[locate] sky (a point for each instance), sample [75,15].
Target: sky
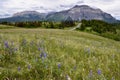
[9,7]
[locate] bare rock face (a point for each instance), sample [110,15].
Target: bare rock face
[86,12]
[82,12]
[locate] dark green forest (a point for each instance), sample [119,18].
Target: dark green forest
[42,24]
[101,28]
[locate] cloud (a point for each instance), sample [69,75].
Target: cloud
[12,6]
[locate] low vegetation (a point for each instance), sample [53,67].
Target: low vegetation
[101,28]
[48,54]
[42,24]
[6,27]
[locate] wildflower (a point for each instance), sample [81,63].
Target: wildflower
[19,68]
[6,44]
[99,72]
[43,54]
[87,50]
[29,67]
[59,65]
[39,49]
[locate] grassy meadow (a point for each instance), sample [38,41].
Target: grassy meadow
[53,54]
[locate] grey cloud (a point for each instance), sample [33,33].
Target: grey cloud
[80,2]
[66,6]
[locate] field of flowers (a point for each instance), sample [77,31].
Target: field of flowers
[48,54]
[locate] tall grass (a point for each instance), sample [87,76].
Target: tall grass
[41,54]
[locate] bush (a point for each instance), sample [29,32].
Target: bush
[111,36]
[98,26]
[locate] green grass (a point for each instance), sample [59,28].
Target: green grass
[6,27]
[73,54]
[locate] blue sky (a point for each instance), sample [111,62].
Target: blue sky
[9,7]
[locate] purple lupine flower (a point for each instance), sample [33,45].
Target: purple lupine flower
[29,67]
[99,72]
[6,44]
[59,66]
[39,49]
[88,50]
[43,54]
[19,68]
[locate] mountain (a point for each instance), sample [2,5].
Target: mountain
[25,16]
[81,12]
[28,14]
[77,13]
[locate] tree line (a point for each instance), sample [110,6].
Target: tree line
[102,28]
[44,24]
[97,26]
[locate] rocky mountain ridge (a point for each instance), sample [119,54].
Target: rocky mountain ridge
[76,13]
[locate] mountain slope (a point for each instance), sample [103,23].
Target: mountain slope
[76,13]
[26,16]
[82,12]
[79,55]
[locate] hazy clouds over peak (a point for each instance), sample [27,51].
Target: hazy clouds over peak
[9,7]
